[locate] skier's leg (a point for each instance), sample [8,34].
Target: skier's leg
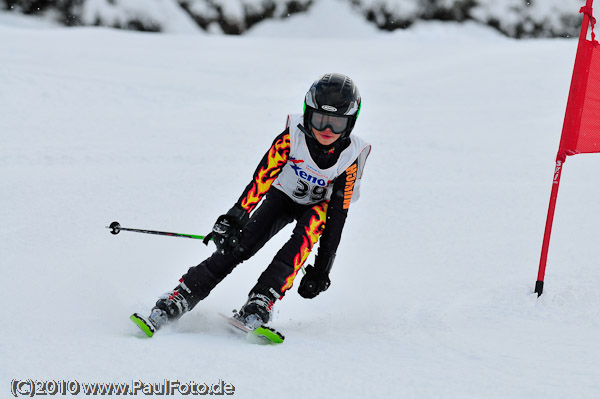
[274,213]
[279,275]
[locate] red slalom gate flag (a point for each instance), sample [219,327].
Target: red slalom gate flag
[581,127]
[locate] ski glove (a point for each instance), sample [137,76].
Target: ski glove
[316,279]
[313,283]
[227,231]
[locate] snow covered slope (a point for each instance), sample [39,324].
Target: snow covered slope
[432,290]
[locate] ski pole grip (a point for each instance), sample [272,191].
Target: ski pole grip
[115,228]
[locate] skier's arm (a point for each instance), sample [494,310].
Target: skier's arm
[266,172]
[337,211]
[316,279]
[226,232]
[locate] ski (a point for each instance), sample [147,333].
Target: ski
[144,324]
[267,334]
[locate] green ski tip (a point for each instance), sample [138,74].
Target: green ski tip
[270,334]
[141,323]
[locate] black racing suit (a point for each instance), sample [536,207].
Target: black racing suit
[324,220]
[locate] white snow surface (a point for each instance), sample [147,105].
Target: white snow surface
[432,289]
[118,13]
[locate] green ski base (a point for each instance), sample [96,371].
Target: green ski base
[266,334]
[269,334]
[142,324]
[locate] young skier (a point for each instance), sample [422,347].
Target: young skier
[310,175]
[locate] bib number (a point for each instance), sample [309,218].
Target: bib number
[317,193]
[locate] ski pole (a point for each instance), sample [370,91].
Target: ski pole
[115,228]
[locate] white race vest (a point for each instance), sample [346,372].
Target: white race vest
[303,181]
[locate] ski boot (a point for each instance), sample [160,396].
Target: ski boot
[169,307]
[258,309]
[255,314]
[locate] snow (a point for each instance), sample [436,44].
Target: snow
[432,290]
[20,21]
[340,22]
[172,17]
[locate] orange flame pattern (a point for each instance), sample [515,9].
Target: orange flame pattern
[277,157]
[312,233]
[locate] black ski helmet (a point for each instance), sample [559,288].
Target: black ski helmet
[332,94]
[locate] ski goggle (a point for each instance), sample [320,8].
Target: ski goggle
[337,124]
